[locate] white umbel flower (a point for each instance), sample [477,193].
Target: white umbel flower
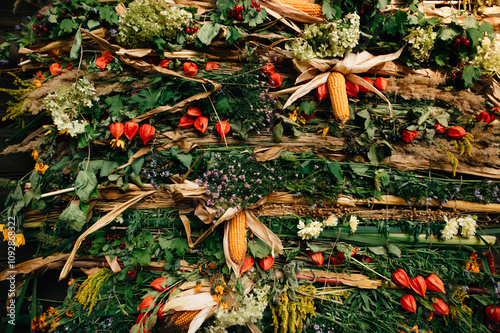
[450,229]
[353,223]
[468,225]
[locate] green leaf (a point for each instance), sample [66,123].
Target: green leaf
[329,10]
[180,246]
[372,155]
[316,248]
[67,26]
[17,198]
[443,119]
[232,34]
[223,105]
[447,33]
[258,248]
[336,170]
[35,178]
[159,44]
[185,159]
[109,15]
[307,107]
[107,167]
[424,117]
[470,22]
[470,74]
[74,217]
[365,115]
[278,132]
[77,43]
[292,253]
[92,24]
[85,183]
[254,18]
[486,27]
[137,165]
[394,250]
[358,168]
[379,250]
[115,105]
[429,135]
[142,257]
[208,32]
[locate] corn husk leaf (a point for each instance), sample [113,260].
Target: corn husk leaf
[354,280]
[290,12]
[263,232]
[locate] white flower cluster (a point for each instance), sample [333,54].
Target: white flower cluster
[332,39]
[422,42]
[488,57]
[353,223]
[331,221]
[147,19]
[313,230]
[66,104]
[468,227]
[250,310]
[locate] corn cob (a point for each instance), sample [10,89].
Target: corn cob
[338,96]
[236,237]
[182,318]
[309,8]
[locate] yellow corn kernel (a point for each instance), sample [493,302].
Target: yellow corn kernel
[338,96]
[236,237]
[184,317]
[309,8]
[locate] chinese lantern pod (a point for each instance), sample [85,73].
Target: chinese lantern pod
[408,136]
[401,278]
[161,314]
[247,264]
[440,307]
[222,128]
[156,284]
[266,263]
[352,89]
[190,68]
[116,129]
[147,132]
[194,111]
[322,92]
[275,80]
[493,313]
[131,128]
[55,69]
[418,285]
[381,83]
[456,132]
[164,63]
[362,88]
[434,283]
[210,66]
[317,258]
[186,121]
[146,302]
[439,128]
[201,124]
[408,303]
[268,68]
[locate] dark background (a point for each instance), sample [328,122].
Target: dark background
[14,166]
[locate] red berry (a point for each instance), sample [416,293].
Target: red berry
[108,238]
[241,8]
[236,9]
[39,35]
[258,6]
[254,2]
[35,28]
[195,29]
[240,17]
[129,272]
[453,75]
[38,16]
[361,12]
[463,39]
[252,5]
[114,236]
[122,243]
[258,9]
[45,29]
[63,12]
[133,276]
[457,40]
[67,2]
[118,237]
[466,42]
[122,247]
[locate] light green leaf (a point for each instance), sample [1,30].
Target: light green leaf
[379,250]
[208,32]
[316,248]
[74,217]
[278,132]
[85,183]
[92,24]
[77,43]
[394,250]
[258,248]
[470,22]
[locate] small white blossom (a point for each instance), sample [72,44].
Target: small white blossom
[450,229]
[421,42]
[331,221]
[468,225]
[353,223]
[313,230]
[488,57]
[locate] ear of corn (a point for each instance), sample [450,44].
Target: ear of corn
[236,237]
[182,318]
[338,96]
[309,8]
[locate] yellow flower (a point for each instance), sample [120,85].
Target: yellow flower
[69,313]
[19,240]
[37,83]
[223,305]
[5,234]
[40,75]
[198,286]
[34,154]
[41,168]
[324,130]
[51,311]
[116,143]
[1,227]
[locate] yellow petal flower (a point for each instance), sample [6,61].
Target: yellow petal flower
[19,240]
[324,130]
[117,143]
[34,154]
